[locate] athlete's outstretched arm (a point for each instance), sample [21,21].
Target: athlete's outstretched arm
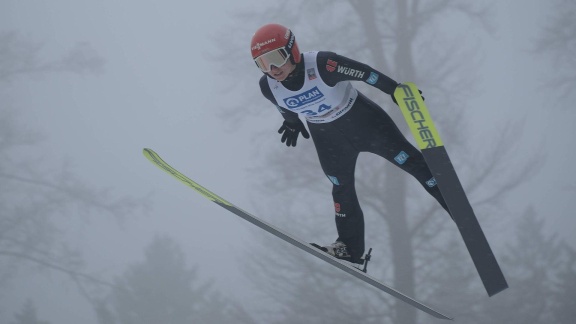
[335,68]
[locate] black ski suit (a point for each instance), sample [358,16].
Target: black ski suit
[365,127]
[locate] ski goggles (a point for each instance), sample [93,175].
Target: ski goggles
[277,57]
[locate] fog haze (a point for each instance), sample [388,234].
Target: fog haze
[160,80]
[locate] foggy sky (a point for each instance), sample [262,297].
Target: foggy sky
[160,89]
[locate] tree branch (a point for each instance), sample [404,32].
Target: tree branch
[50,265]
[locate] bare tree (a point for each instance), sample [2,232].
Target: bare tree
[19,57]
[563,310]
[35,201]
[28,315]
[557,41]
[163,289]
[541,273]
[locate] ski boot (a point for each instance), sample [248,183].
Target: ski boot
[339,250]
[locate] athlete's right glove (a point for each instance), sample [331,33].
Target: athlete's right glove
[290,131]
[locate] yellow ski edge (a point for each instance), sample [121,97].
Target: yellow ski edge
[157,160]
[417,116]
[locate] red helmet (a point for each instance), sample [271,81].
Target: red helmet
[274,44]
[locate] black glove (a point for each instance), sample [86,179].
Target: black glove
[394,98]
[290,131]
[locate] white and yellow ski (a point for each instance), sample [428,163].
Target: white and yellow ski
[155,158]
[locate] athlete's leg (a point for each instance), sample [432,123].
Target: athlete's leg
[381,136]
[338,160]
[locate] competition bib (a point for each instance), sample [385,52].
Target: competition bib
[316,101]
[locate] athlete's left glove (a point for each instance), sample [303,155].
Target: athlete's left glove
[394,98]
[290,131]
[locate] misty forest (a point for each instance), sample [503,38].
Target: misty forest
[91,232]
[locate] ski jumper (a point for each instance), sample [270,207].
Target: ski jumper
[343,122]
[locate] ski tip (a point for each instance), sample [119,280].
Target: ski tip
[148,152]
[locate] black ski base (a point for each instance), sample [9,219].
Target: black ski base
[463,215]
